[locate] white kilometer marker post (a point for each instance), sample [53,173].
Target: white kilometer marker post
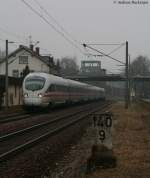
[102,149]
[103,125]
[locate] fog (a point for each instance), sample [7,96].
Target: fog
[86,21]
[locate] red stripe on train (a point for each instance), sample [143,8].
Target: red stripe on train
[65,94]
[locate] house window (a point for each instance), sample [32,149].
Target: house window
[31,71]
[15,73]
[23,59]
[11,99]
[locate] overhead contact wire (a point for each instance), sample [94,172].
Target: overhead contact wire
[51,25]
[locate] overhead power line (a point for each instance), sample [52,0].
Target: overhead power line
[85,45]
[55,21]
[114,50]
[105,44]
[51,25]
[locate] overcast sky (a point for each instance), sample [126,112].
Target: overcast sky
[87,21]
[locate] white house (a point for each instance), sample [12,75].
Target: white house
[14,91]
[24,56]
[17,62]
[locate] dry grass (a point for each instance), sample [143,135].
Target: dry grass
[131,139]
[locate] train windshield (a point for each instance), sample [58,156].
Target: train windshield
[34,83]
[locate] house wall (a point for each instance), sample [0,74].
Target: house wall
[14,96]
[34,64]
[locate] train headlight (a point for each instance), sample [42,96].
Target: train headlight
[40,95]
[25,95]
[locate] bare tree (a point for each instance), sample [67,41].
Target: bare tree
[69,66]
[141,66]
[25,71]
[2,54]
[58,67]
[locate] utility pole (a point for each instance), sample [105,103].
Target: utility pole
[127,78]
[126,64]
[129,81]
[6,76]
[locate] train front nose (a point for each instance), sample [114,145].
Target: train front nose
[32,99]
[33,86]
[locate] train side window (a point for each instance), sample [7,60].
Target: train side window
[61,88]
[51,88]
[56,87]
[68,89]
[71,89]
[64,88]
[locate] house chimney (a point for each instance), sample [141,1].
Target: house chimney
[37,50]
[20,46]
[31,47]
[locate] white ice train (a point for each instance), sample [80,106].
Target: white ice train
[42,89]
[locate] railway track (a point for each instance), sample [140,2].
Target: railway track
[13,117]
[12,124]
[18,116]
[16,142]
[7,118]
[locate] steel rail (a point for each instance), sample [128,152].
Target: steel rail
[5,156]
[8,115]
[31,128]
[13,118]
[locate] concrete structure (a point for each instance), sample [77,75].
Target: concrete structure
[92,68]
